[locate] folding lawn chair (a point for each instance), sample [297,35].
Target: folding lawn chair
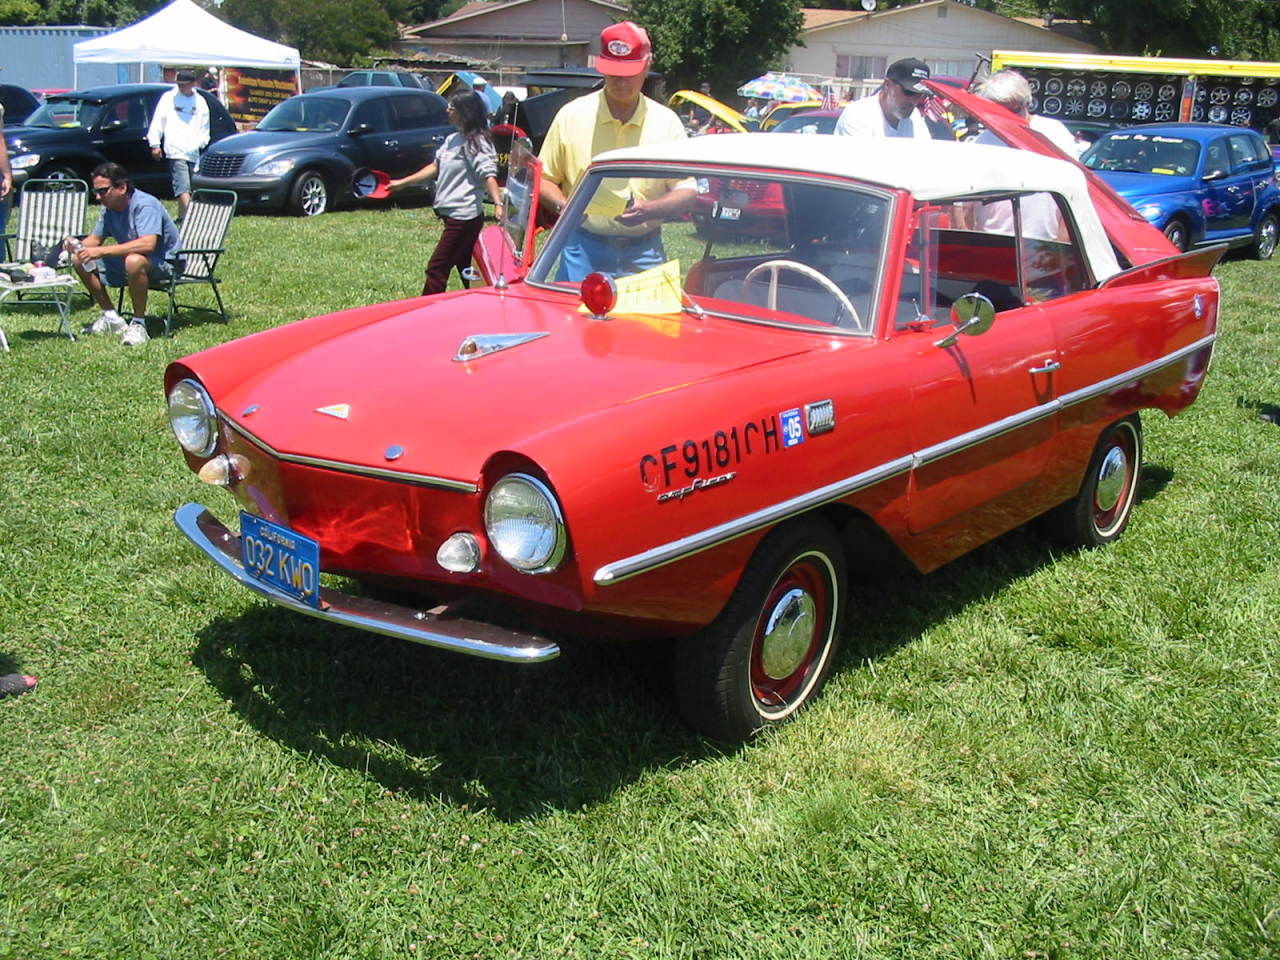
[49,211]
[201,236]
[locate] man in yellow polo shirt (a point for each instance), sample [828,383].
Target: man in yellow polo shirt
[628,238]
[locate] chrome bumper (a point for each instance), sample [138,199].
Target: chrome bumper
[434,628]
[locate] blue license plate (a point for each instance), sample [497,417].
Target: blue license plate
[280,558]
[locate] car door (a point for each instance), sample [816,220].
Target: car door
[419,124]
[982,407]
[1229,190]
[121,137]
[374,143]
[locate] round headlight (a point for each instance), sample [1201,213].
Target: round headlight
[524,524]
[193,418]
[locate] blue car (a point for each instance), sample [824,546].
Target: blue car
[304,154]
[1201,183]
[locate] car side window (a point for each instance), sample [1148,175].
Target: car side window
[381,80]
[1244,151]
[414,112]
[372,112]
[1216,157]
[1014,250]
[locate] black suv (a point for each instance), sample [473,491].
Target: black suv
[71,133]
[305,152]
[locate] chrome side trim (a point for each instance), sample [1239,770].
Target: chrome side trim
[434,629]
[989,432]
[659,556]
[695,543]
[426,480]
[1137,373]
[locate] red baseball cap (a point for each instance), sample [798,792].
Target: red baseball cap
[625,50]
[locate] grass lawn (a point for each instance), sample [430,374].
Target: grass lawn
[1028,754]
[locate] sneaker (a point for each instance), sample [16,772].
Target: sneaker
[135,335]
[109,322]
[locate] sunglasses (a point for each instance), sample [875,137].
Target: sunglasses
[102,191]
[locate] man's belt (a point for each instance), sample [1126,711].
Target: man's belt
[627,240]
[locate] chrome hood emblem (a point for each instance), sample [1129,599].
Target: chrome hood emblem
[482,344]
[339,410]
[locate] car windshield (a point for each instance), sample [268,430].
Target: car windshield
[764,248]
[66,112]
[306,115]
[807,124]
[1132,152]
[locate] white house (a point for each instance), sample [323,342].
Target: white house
[946,35]
[517,33]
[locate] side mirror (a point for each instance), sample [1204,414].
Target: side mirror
[1217,173]
[972,314]
[358,128]
[110,126]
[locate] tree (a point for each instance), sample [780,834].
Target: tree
[1236,29]
[19,12]
[334,30]
[724,42]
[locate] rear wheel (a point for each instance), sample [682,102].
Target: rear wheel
[1264,239]
[771,648]
[1100,511]
[310,194]
[1176,231]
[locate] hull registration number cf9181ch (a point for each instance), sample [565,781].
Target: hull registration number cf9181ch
[280,558]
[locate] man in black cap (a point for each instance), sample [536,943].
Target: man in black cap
[892,112]
[180,130]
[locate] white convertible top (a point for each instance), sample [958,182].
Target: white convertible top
[929,170]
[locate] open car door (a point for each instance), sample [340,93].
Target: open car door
[504,250]
[1135,240]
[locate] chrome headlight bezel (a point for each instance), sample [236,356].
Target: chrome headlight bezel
[523,555]
[195,423]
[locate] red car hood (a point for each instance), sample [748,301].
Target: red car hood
[1133,237]
[401,386]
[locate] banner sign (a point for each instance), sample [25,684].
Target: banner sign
[251,92]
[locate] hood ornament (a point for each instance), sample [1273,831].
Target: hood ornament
[482,344]
[339,410]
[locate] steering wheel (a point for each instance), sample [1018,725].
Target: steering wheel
[774,267]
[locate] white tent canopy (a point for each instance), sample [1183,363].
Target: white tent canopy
[183,33]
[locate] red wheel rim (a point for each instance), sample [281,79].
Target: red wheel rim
[1114,482]
[792,636]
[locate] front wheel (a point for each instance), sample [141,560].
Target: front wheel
[1100,511]
[1264,238]
[59,171]
[1176,231]
[310,195]
[771,648]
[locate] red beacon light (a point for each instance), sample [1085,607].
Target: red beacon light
[599,294]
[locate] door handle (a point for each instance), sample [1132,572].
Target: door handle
[391,143]
[1049,367]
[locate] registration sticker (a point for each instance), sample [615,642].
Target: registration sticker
[280,558]
[792,427]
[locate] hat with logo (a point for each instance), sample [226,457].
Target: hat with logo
[185,76]
[910,73]
[625,50]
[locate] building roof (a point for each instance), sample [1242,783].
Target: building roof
[484,8]
[815,19]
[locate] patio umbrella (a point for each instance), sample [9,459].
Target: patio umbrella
[778,86]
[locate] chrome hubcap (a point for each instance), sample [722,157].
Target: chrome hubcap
[1112,475]
[1267,243]
[787,634]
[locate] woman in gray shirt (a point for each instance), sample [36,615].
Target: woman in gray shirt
[464,167]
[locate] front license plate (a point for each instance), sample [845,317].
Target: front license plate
[280,558]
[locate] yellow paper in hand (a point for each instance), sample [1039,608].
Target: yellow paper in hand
[656,290]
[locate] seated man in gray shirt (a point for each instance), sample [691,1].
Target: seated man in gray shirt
[145,236]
